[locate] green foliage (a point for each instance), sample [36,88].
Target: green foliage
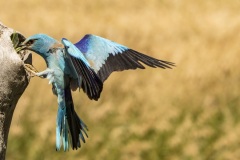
[17,39]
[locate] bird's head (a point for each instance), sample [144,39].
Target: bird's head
[39,43]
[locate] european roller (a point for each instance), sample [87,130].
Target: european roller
[84,65]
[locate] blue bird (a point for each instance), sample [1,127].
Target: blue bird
[84,65]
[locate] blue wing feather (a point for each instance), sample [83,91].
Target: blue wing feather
[107,56]
[91,83]
[73,51]
[98,49]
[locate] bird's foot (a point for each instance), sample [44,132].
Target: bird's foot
[31,70]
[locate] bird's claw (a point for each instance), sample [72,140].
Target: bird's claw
[31,70]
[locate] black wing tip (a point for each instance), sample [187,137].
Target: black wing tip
[91,83]
[95,96]
[167,64]
[150,61]
[130,59]
[96,86]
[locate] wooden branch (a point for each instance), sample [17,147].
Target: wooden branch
[13,81]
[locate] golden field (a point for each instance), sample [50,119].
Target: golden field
[191,112]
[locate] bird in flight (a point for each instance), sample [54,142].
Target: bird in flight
[84,65]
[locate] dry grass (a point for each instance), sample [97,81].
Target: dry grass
[190,112]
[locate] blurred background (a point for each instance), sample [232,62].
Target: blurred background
[191,112]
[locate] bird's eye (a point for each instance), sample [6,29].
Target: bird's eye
[30,42]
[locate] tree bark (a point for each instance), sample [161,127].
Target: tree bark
[13,81]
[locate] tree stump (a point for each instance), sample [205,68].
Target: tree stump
[13,82]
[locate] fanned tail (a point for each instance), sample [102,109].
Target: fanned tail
[68,122]
[77,127]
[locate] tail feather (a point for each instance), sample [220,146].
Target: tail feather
[68,122]
[76,125]
[61,129]
[65,134]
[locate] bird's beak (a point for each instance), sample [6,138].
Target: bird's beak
[21,46]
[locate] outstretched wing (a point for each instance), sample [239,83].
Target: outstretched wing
[106,56]
[87,78]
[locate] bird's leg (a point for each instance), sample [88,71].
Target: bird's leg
[48,73]
[31,70]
